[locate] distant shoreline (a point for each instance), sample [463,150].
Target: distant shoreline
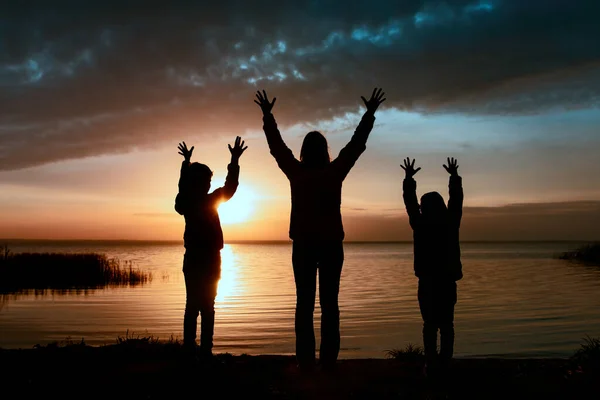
[180,242]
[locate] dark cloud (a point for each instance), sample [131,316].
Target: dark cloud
[541,221]
[537,209]
[532,221]
[88,78]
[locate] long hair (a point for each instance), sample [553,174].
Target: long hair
[315,151]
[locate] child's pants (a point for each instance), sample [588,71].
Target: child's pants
[436,301]
[202,273]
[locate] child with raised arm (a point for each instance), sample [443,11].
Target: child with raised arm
[436,259]
[203,241]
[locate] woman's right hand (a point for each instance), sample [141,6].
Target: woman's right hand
[263,102]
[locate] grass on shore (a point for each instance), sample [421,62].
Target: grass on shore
[40,272]
[128,340]
[411,353]
[587,358]
[145,367]
[585,361]
[589,254]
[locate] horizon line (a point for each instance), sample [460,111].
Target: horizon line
[4,241]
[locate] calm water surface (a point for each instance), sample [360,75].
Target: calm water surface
[514,300]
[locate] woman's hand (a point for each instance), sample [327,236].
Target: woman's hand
[375,100]
[263,102]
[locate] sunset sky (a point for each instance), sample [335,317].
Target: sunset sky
[96,95]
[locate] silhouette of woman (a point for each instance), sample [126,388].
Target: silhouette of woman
[316,225]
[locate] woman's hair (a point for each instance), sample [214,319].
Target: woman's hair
[314,152]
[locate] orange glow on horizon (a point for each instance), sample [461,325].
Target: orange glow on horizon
[240,208]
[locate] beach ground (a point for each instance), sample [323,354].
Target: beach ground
[146,371]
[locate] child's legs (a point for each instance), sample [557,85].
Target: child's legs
[330,270]
[202,273]
[427,296]
[192,306]
[304,262]
[446,303]
[207,314]
[207,306]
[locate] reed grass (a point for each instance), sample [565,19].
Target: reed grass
[58,272]
[410,353]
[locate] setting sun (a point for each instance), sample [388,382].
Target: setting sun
[239,208]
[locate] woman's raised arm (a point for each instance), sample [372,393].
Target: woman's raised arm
[282,154]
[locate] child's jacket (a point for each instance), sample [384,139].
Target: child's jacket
[203,231]
[436,243]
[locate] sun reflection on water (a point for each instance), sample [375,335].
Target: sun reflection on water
[229,274]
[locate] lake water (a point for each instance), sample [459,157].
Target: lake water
[515,300]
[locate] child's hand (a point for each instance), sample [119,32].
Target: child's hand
[263,102]
[409,167]
[452,166]
[374,101]
[237,149]
[183,150]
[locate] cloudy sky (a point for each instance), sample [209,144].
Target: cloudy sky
[96,95]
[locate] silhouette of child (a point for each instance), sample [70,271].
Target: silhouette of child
[436,259]
[203,241]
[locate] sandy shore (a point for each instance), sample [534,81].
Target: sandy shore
[154,372]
